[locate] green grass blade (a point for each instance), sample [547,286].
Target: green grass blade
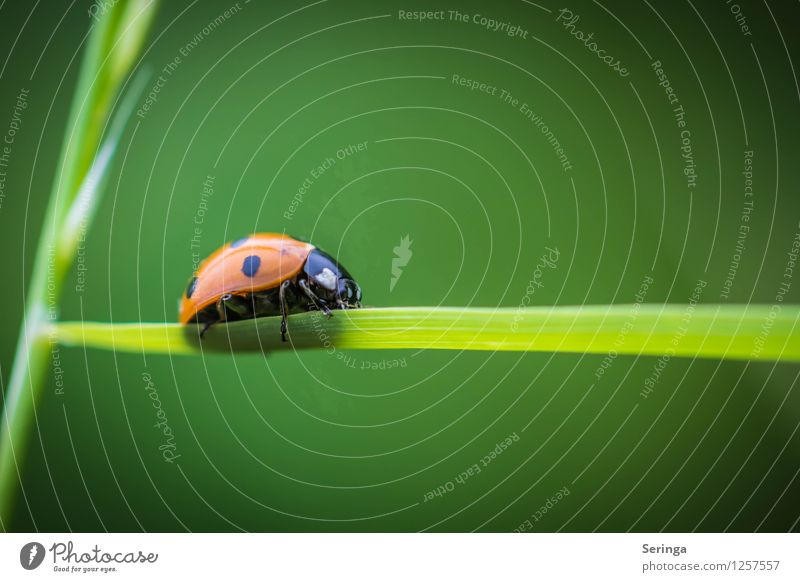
[87,199]
[115,42]
[706,331]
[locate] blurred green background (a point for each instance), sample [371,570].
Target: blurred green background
[358,441]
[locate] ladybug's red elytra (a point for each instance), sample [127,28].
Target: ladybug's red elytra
[266,274]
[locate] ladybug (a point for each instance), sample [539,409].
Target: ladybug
[266,274]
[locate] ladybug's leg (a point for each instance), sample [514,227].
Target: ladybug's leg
[205,328]
[233,304]
[318,303]
[284,308]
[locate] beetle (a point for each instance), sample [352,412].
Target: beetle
[266,274]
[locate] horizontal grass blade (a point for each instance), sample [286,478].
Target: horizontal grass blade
[706,331]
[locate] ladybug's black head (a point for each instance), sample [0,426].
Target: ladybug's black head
[349,293]
[331,282]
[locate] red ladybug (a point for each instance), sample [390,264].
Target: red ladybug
[266,274]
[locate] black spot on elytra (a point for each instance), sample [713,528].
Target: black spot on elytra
[191,287]
[250,265]
[240,242]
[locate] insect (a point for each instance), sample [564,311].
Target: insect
[266,274]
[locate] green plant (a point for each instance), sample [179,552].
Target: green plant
[706,331]
[114,46]
[712,331]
